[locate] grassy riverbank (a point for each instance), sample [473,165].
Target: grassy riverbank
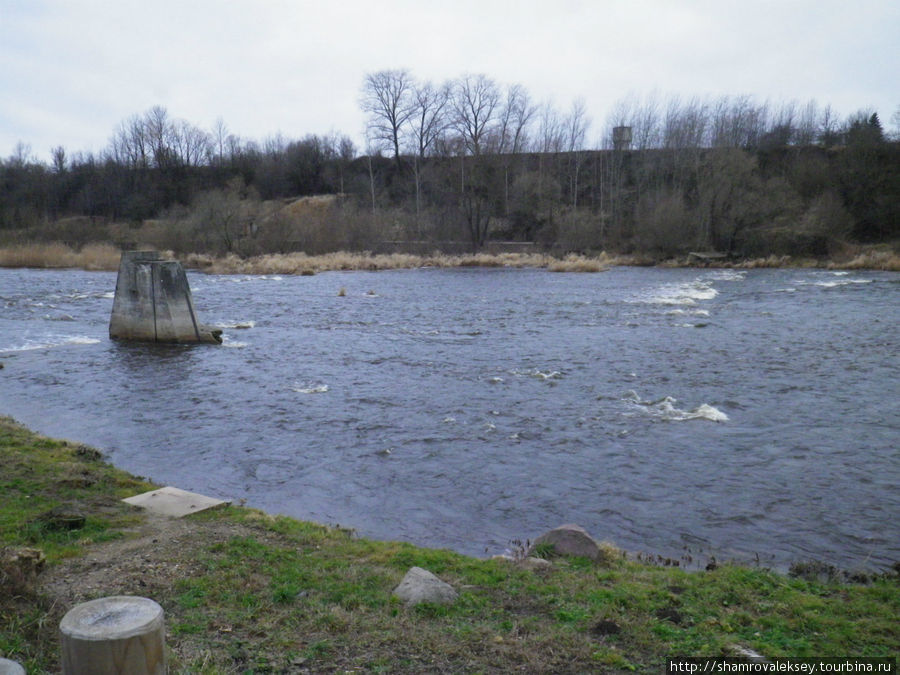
[247,592]
[106,257]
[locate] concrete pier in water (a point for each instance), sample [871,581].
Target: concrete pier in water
[153,302]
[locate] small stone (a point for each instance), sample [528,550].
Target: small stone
[60,520]
[420,585]
[740,652]
[568,540]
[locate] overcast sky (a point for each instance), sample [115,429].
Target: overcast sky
[72,70]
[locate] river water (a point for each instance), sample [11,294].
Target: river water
[683,412]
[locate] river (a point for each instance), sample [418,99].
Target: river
[743,414]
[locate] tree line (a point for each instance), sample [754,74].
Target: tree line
[477,160]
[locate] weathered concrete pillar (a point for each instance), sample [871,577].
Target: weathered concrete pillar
[119,635]
[153,302]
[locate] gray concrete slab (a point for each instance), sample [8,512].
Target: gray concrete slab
[174,502]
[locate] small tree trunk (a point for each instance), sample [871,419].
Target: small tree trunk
[119,635]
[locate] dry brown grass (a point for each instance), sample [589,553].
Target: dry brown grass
[56,255]
[771,261]
[871,260]
[580,263]
[106,257]
[300,263]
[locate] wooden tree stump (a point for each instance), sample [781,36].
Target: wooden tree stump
[8,667]
[113,636]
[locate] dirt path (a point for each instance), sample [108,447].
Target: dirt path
[147,562]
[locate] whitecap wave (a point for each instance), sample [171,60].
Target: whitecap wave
[692,312]
[305,388]
[538,374]
[841,282]
[680,294]
[665,409]
[257,277]
[727,275]
[51,341]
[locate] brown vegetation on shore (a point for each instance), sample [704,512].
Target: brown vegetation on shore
[300,263]
[90,257]
[106,257]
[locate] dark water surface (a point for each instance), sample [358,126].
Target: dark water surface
[741,413]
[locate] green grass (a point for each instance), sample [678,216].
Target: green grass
[279,595]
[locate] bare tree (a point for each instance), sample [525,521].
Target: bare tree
[59,159]
[646,129]
[829,127]
[476,99]
[551,130]
[806,127]
[515,115]
[192,145]
[387,100]
[512,132]
[220,140]
[159,131]
[428,115]
[576,126]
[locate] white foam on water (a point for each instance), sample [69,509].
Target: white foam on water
[692,312]
[52,341]
[302,388]
[841,273]
[665,409]
[727,275]
[680,294]
[538,374]
[841,282]
[260,277]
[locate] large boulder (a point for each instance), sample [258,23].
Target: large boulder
[568,540]
[422,586]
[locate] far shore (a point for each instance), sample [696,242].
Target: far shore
[106,257]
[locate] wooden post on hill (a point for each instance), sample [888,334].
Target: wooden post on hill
[118,635]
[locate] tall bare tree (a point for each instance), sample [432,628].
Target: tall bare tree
[576,127]
[387,99]
[476,102]
[515,116]
[429,115]
[219,140]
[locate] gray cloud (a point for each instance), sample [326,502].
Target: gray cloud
[71,71]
